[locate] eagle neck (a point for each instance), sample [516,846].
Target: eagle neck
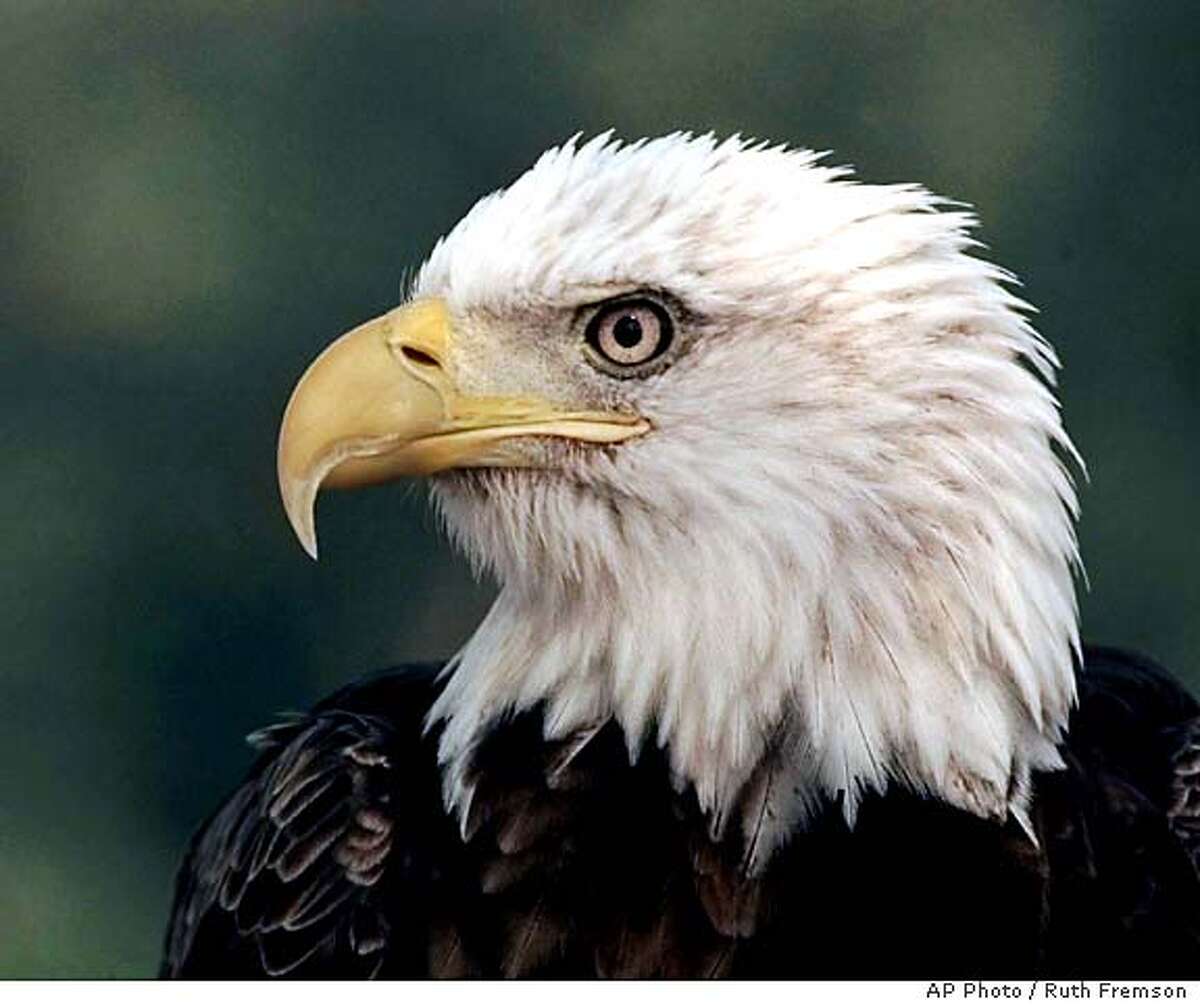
[777,686]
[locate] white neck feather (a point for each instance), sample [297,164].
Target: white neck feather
[927,645]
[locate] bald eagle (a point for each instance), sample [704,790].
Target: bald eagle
[783,676]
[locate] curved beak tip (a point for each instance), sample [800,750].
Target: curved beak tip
[299,499]
[310,546]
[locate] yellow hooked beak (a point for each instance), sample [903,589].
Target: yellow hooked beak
[379,404]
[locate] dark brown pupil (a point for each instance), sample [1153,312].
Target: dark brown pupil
[627,332]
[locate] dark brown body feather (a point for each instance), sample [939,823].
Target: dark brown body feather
[336,858]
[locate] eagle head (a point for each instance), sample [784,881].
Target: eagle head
[766,465]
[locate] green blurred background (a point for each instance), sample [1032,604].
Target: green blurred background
[196,196]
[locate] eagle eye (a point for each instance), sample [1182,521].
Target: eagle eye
[627,334]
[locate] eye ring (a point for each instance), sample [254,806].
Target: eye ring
[625,335]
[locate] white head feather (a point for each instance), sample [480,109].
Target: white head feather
[849,537]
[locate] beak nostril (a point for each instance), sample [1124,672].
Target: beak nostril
[419,357]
